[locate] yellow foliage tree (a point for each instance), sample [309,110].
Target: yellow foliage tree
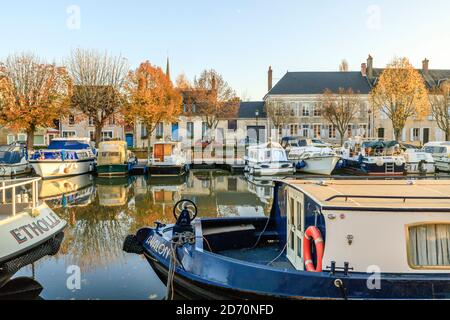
[153,99]
[32,94]
[401,94]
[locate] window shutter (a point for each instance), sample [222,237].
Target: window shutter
[411,132]
[404,135]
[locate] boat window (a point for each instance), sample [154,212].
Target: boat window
[110,154]
[429,246]
[278,155]
[299,216]
[292,212]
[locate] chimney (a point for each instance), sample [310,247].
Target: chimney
[364,69]
[270,79]
[370,67]
[425,66]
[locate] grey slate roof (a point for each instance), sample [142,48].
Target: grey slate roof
[317,82]
[247,110]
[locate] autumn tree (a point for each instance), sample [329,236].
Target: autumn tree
[182,82]
[153,99]
[400,93]
[340,108]
[440,104]
[33,94]
[279,113]
[214,98]
[98,86]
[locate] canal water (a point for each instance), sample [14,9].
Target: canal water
[102,212]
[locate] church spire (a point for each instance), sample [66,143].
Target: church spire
[168,68]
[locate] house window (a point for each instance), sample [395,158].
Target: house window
[350,130]
[112,121]
[21,137]
[306,110]
[416,134]
[92,135]
[294,109]
[294,129]
[190,130]
[39,140]
[144,132]
[316,130]
[69,134]
[91,121]
[363,130]
[10,139]
[381,133]
[429,246]
[280,130]
[332,131]
[317,111]
[160,130]
[305,130]
[107,135]
[71,120]
[232,125]
[205,130]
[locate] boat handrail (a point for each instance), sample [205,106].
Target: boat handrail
[404,198]
[20,183]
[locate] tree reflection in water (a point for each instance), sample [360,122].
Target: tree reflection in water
[98,224]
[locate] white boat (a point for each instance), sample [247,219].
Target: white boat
[268,159]
[419,161]
[64,157]
[13,160]
[168,160]
[26,224]
[440,152]
[312,157]
[76,191]
[373,157]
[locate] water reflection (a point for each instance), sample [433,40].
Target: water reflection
[101,212]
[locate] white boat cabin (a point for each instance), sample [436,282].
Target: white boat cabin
[372,226]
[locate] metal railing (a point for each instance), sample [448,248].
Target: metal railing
[20,198]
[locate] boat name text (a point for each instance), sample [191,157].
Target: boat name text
[159,247]
[35,229]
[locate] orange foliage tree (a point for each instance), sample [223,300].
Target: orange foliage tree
[32,94]
[214,98]
[401,94]
[152,98]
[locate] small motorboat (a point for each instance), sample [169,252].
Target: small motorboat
[64,157]
[338,240]
[419,162]
[268,159]
[13,160]
[440,151]
[168,160]
[114,159]
[373,157]
[27,225]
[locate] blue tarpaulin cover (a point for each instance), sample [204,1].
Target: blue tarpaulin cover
[10,157]
[68,145]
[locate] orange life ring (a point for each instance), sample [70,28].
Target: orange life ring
[313,233]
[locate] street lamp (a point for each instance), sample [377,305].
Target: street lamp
[257,126]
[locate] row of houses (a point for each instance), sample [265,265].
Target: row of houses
[300,91]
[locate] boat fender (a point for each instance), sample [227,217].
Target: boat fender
[313,233]
[300,165]
[380,162]
[132,245]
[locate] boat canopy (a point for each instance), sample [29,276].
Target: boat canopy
[11,154]
[269,152]
[112,152]
[68,145]
[380,144]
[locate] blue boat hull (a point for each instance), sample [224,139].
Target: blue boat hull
[205,275]
[372,168]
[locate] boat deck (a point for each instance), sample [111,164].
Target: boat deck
[262,255]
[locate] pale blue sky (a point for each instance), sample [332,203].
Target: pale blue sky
[240,39]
